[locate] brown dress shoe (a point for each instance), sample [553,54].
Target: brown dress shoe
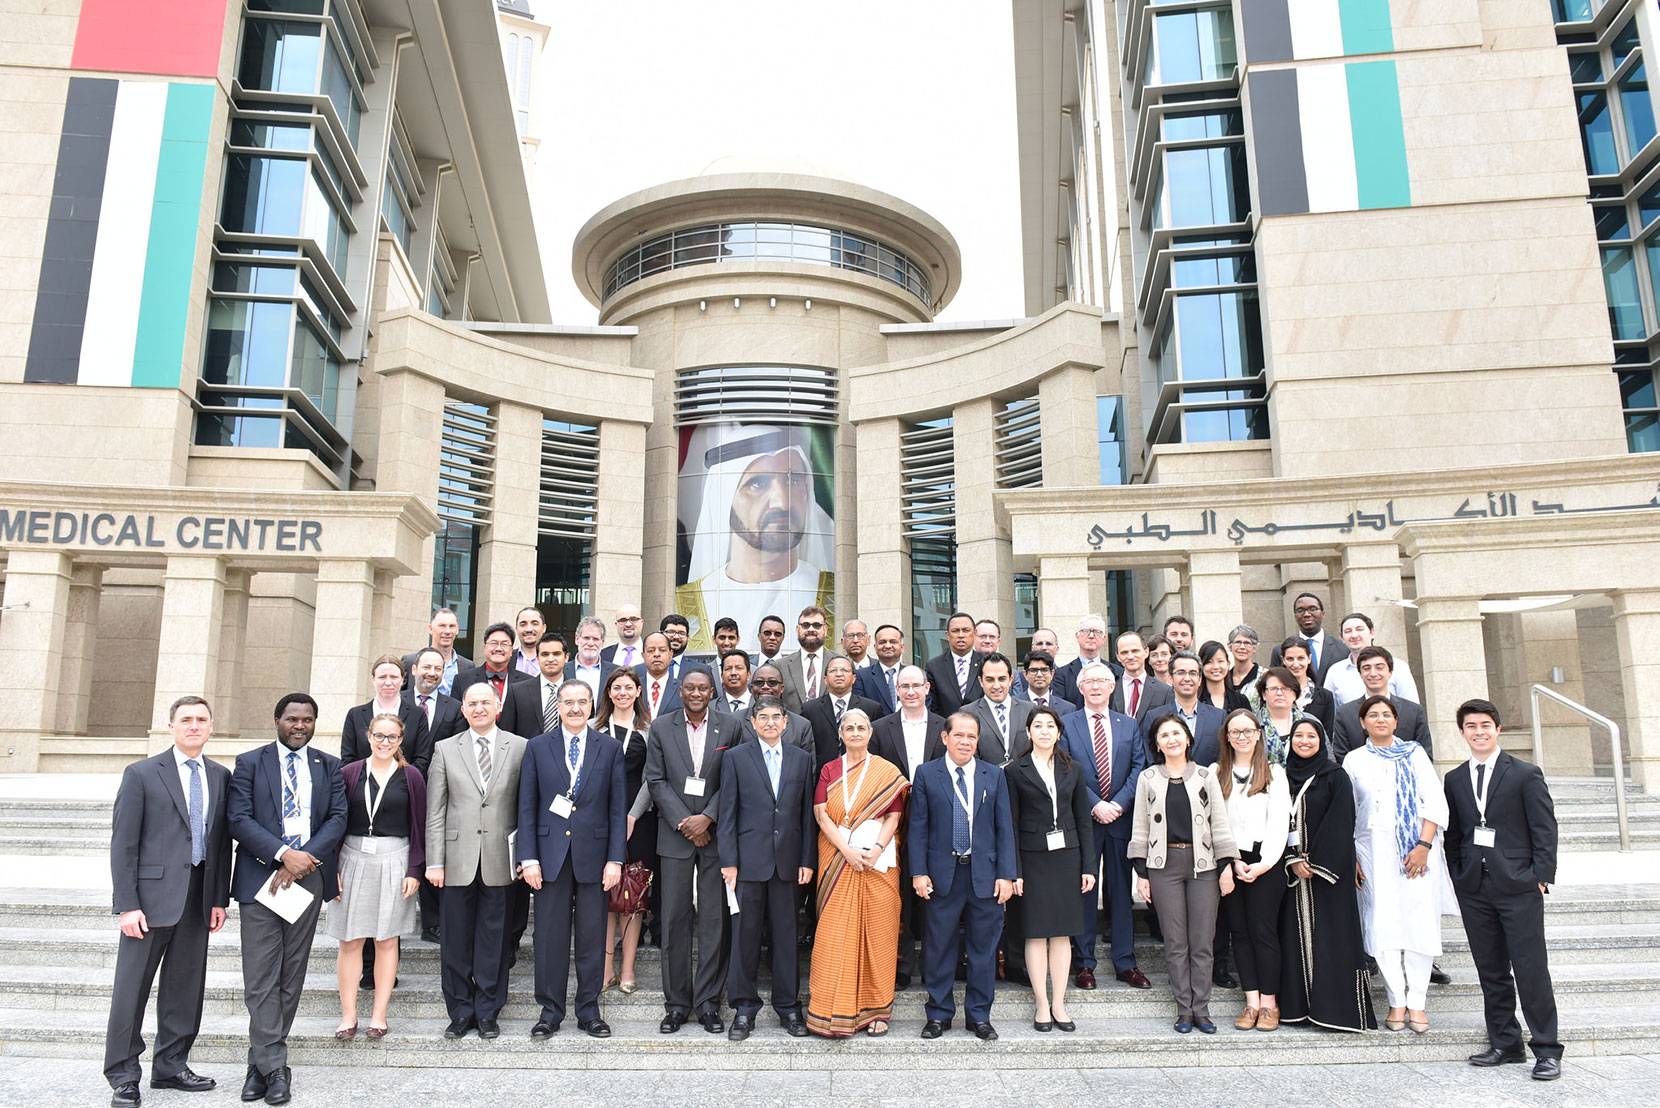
[1246,1019]
[1268,1019]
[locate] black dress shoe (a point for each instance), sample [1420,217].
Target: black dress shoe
[544,1029]
[741,1027]
[985,1032]
[901,981]
[126,1096]
[1439,976]
[595,1027]
[1134,978]
[1084,979]
[672,1022]
[489,1029]
[1496,1057]
[794,1024]
[185,1081]
[253,1088]
[712,1022]
[1043,1025]
[429,935]
[1221,978]
[1547,1069]
[277,1089]
[933,1029]
[1066,1025]
[458,1028]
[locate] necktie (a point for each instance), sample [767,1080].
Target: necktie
[550,709]
[576,770]
[1481,769]
[737,705]
[960,838]
[656,694]
[628,656]
[812,677]
[1135,694]
[1041,701]
[1003,720]
[962,676]
[198,836]
[1313,655]
[1103,753]
[290,797]
[499,680]
[773,768]
[484,760]
[892,694]
[426,710]
[841,706]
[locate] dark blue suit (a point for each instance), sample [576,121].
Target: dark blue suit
[573,852]
[1207,730]
[671,691]
[769,839]
[872,684]
[965,892]
[1112,840]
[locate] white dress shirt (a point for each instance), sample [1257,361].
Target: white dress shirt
[302,775]
[916,740]
[1344,683]
[180,760]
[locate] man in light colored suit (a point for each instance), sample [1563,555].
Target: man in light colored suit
[803,670]
[1138,693]
[1002,718]
[472,808]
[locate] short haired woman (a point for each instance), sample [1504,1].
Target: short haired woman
[1259,814]
[1312,700]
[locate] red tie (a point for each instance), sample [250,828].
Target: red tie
[1103,754]
[1135,694]
[656,692]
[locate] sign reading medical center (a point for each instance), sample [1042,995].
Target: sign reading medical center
[250,534]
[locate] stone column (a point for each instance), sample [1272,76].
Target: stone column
[985,559]
[507,556]
[620,529]
[1454,670]
[1372,584]
[187,658]
[340,644]
[80,640]
[1637,630]
[32,633]
[1214,591]
[233,637]
[1065,595]
[380,623]
[884,565]
[1071,447]
[407,460]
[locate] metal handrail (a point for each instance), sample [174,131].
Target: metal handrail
[1613,745]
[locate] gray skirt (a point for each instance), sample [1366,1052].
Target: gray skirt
[372,904]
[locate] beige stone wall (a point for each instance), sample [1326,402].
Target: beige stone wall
[124,674]
[242,467]
[31,118]
[94,435]
[1430,24]
[1194,462]
[281,611]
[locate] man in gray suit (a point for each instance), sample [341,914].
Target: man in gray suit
[170,864]
[803,670]
[472,807]
[1376,667]
[1002,718]
[1138,693]
[683,761]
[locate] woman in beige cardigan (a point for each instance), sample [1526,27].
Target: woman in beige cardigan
[1182,850]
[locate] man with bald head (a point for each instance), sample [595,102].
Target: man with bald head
[628,649]
[909,738]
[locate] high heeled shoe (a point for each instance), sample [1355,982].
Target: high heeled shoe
[627,987]
[1043,1025]
[1419,1027]
[611,984]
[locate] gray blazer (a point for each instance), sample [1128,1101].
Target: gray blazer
[459,808]
[992,748]
[795,677]
[669,763]
[150,840]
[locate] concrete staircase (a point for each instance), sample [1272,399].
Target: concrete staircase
[57,950]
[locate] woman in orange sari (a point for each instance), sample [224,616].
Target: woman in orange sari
[859,802]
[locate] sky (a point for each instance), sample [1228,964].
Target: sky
[888,94]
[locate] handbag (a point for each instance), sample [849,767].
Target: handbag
[628,896]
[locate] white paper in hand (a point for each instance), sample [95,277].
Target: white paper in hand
[732,898]
[289,903]
[867,835]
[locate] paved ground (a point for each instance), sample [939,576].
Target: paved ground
[1623,1082]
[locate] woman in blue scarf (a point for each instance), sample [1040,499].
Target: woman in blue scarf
[1399,867]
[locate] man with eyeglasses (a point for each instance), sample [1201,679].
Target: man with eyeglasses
[908,738]
[1092,642]
[1324,650]
[1044,641]
[1203,719]
[769,681]
[627,650]
[803,669]
[876,681]
[1040,675]
[856,641]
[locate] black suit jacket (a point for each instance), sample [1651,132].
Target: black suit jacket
[763,835]
[150,841]
[466,677]
[1065,683]
[447,720]
[887,740]
[256,817]
[1523,820]
[417,741]
[943,698]
[872,684]
[521,709]
[1409,724]
[1034,816]
[1331,651]
[821,713]
[596,832]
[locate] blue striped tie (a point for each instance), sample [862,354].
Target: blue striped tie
[960,838]
[291,800]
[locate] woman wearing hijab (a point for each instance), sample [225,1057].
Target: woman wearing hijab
[1323,978]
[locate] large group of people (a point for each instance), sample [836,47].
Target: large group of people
[851,804]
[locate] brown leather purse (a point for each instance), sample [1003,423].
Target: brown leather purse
[628,896]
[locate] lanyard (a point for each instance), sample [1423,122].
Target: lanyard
[1481,793]
[1054,802]
[960,794]
[373,806]
[847,801]
[1297,805]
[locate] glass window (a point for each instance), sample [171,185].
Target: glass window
[264,195]
[1642,432]
[1109,424]
[1637,389]
[1219,269]
[1204,186]
[392,210]
[1193,46]
[247,343]
[281,56]
[1218,335]
[933,594]
[1575,11]
[314,371]
[1625,43]
[1226,425]
[263,280]
[1585,66]
[1636,109]
[337,86]
[221,429]
[270,136]
[1625,306]
[1611,222]
[1201,125]
[1597,134]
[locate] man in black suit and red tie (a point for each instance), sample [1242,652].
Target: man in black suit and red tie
[170,862]
[1501,856]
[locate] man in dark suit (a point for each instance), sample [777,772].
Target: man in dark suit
[531,708]
[573,838]
[825,713]
[767,841]
[498,669]
[1376,667]
[768,681]
[1001,717]
[684,752]
[1138,693]
[170,864]
[627,650]
[876,680]
[1039,674]
[954,675]
[909,738]
[1092,647]
[1109,747]
[961,843]
[1324,649]
[443,718]
[1203,718]
[803,669]
[1501,856]
[735,697]
[659,687]
[288,816]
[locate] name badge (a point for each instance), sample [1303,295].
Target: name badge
[1292,838]
[562,806]
[296,827]
[1057,840]
[370,846]
[695,786]
[1485,836]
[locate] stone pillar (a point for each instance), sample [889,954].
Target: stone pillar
[1065,595]
[32,633]
[1070,439]
[884,565]
[1454,670]
[620,529]
[507,556]
[1214,590]
[80,640]
[1165,597]
[1637,630]
[407,460]
[1372,584]
[380,623]
[985,559]
[340,643]
[233,638]
[187,658]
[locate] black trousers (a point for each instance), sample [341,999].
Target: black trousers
[472,948]
[913,919]
[180,953]
[761,902]
[1252,912]
[682,992]
[566,906]
[1507,944]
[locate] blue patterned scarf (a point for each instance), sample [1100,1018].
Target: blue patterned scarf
[1407,823]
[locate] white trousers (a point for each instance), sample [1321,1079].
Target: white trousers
[1405,977]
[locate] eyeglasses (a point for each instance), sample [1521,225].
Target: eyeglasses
[628,619]
[1091,632]
[912,685]
[1237,733]
[386,738]
[1039,669]
[768,682]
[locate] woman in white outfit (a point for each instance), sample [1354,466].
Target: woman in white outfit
[1399,867]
